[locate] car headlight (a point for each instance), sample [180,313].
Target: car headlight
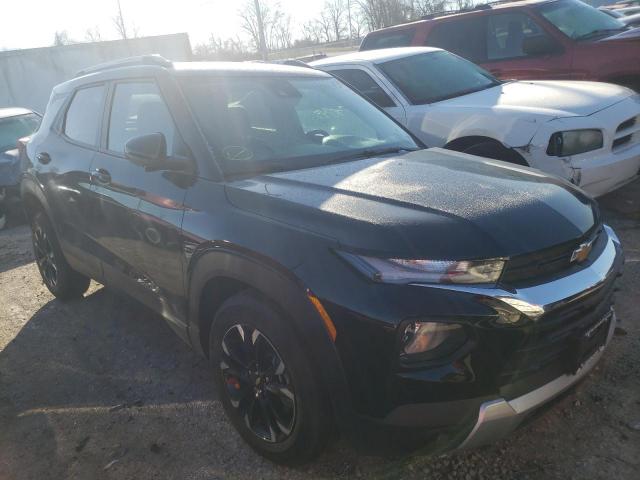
[398,270]
[428,340]
[573,142]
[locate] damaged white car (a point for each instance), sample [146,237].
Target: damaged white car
[585,132]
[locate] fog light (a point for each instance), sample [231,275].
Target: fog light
[431,339]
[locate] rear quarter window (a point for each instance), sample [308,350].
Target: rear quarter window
[84,115]
[392,39]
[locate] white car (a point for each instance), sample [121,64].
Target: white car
[585,132]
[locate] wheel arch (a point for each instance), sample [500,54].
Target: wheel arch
[33,198]
[217,273]
[460,144]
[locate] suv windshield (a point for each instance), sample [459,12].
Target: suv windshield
[14,128]
[579,20]
[435,76]
[271,123]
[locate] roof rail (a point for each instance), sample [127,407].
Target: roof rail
[154,59]
[480,6]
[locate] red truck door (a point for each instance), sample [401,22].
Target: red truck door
[518,46]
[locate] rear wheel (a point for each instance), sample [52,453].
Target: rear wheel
[61,280]
[266,382]
[495,151]
[3,215]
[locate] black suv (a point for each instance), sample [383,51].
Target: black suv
[334,272]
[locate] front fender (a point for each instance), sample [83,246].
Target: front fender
[442,124]
[512,131]
[287,291]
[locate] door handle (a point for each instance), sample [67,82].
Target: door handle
[101,176]
[43,158]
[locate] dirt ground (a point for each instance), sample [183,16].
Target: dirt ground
[102,388]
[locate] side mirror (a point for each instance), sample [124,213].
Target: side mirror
[149,151]
[540,45]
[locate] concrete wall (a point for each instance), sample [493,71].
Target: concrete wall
[27,76]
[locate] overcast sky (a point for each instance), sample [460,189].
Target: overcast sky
[32,23]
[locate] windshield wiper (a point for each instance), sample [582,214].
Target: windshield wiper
[597,33]
[373,152]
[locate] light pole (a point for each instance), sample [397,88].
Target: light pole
[349,18]
[263,44]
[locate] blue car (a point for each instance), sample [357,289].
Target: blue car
[15,123]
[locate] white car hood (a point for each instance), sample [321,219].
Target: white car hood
[554,99]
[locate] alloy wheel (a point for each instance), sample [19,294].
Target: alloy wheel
[45,256]
[258,383]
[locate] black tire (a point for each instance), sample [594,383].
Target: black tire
[495,151]
[61,280]
[264,395]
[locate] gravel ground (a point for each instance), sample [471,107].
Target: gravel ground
[102,388]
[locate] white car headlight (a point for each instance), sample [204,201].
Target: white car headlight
[574,142]
[397,270]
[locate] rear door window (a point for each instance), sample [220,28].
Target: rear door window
[396,38]
[84,115]
[362,82]
[506,34]
[465,37]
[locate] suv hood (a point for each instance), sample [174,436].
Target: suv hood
[552,99]
[427,204]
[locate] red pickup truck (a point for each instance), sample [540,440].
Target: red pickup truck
[530,39]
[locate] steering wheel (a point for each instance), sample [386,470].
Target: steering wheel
[317,135]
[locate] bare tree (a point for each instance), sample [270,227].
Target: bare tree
[358,24]
[255,17]
[61,38]
[324,23]
[336,14]
[282,32]
[93,35]
[384,13]
[223,49]
[120,24]
[312,31]
[275,25]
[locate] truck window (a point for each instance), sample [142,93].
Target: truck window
[392,39]
[506,34]
[464,37]
[365,85]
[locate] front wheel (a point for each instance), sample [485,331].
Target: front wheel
[61,280]
[267,385]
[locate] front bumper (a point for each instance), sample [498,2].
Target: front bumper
[493,416]
[497,418]
[600,175]
[600,171]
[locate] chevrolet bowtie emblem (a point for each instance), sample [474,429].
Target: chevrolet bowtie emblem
[581,253]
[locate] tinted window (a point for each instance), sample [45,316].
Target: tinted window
[397,38]
[464,37]
[138,109]
[430,77]
[506,34]
[578,20]
[82,122]
[367,86]
[267,123]
[14,128]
